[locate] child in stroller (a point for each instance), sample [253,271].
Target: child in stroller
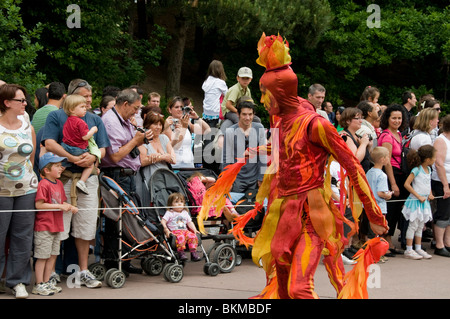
[197,185]
[178,222]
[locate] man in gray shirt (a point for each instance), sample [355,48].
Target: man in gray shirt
[238,138]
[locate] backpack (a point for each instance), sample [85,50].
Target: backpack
[406,146]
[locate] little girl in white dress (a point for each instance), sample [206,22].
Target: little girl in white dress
[417,209]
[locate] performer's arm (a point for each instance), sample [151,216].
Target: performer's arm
[324,134]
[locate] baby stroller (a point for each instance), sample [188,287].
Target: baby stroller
[223,251]
[137,237]
[162,183]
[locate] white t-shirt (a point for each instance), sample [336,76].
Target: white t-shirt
[177,220]
[419,140]
[213,88]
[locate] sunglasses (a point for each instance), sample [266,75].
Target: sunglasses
[19,100]
[79,85]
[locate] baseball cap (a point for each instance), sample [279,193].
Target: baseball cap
[49,157]
[245,72]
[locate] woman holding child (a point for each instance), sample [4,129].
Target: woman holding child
[18,186]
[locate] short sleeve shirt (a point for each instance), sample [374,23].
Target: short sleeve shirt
[387,137]
[52,193]
[54,124]
[176,220]
[233,94]
[378,182]
[73,131]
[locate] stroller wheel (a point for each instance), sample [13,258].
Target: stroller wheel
[153,266]
[173,273]
[238,260]
[211,269]
[225,257]
[98,270]
[108,273]
[116,279]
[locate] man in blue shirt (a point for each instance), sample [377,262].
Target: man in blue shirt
[82,225]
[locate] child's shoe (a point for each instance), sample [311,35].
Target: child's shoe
[182,255]
[82,187]
[411,254]
[195,256]
[53,287]
[423,253]
[42,289]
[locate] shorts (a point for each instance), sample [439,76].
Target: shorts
[83,225]
[46,244]
[76,151]
[442,214]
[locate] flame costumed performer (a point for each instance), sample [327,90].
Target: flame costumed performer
[301,222]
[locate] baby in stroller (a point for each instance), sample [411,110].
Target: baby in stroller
[178,222]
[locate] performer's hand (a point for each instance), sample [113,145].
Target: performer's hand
[378,229]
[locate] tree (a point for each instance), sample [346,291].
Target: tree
[19,48]
[101,49]
[408,50]
[237,23]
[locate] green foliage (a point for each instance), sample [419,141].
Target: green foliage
[18,48]
[101,51]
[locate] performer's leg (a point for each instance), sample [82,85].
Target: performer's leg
[296,249]
[304,264]
[335,270]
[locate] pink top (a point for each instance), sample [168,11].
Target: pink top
[386,136]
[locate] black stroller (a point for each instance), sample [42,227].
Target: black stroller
[162,183]
[137,237]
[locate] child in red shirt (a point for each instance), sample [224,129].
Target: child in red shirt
[76,133]
[48,224]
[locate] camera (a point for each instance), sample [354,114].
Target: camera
[174,122]
[135,152]
[146,141]
[368,135]
[186,110]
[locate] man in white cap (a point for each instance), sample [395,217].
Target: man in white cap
[240,89]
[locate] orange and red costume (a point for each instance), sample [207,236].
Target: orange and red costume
[301,222]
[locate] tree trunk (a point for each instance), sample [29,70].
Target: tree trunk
[175,62]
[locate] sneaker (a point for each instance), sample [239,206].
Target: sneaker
[82,187]
[53,287]
[20,291]
[411,254]
[88,279]
[383,259]
[55,277]
[347,261]
[42,289]
[423,253]
[195,256]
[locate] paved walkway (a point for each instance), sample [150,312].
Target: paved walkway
[398,278]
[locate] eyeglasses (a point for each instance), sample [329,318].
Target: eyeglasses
[19,100]
[357,118]
[79,85]
[437,108]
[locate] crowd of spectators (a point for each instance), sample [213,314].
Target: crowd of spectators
[131,141]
